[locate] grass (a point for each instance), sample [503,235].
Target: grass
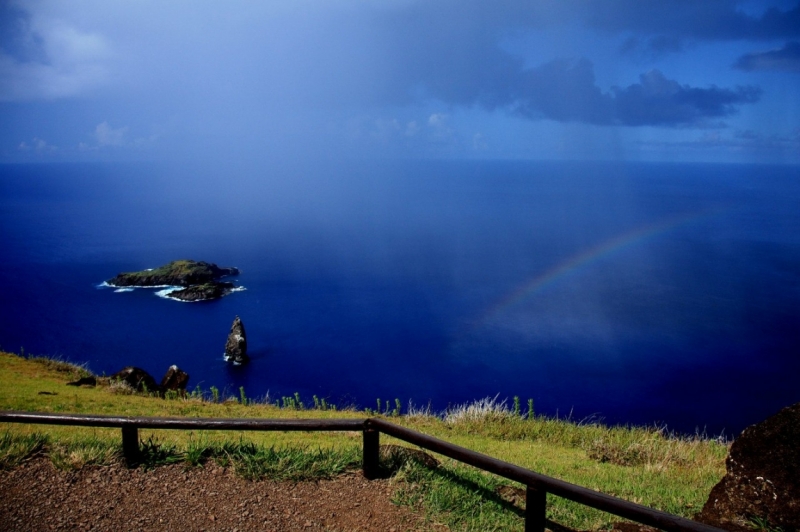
[16,448]
[647,465]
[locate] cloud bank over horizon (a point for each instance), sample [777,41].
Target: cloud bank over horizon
[349,78]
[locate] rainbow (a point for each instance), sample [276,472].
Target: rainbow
[581,260]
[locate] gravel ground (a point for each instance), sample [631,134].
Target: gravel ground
[35,496]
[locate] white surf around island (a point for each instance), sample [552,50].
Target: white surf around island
[226,358]
[164,290]
[167,291]
[105,284]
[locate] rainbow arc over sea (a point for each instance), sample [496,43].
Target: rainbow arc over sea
[585,258]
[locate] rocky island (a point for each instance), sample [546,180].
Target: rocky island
[193,280]
[236,345]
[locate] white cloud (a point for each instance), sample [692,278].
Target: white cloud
[108,136]
[38,145]
[437,120]
[440,130]
[67,61]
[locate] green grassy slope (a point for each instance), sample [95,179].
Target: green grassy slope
[638,464]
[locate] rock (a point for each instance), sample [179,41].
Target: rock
[84,381]
[236,346]
[202,292]
[763,477]
[136,378]
[175,379]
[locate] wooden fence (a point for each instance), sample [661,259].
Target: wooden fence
[538,485]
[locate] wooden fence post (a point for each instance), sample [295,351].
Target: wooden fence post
[535,509]
[130,445]
[371,461]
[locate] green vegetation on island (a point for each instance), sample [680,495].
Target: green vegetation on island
[199,280]
[646,465]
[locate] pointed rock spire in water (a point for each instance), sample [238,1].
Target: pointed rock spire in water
[236,346]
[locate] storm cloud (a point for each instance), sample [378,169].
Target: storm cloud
[566,91]
[706,20]
[199,76]
[786,58]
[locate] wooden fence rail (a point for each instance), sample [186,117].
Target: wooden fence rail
[538,485]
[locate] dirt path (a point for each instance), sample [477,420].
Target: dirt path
[35,496]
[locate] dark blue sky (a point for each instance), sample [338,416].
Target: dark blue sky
[685,80]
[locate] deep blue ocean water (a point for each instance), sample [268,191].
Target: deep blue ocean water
[634,293]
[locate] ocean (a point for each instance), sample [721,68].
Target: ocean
[628,293]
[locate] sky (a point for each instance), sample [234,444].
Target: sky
[684,80]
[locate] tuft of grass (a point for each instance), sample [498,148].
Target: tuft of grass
[419,412]
[16,448]
[762,525]
[121,387]
[656,449]
[155,452]
[85,451]
[258,462]
[59,365]
[488,409]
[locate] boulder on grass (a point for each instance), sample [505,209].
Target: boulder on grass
[91,380]
[136,378]
[762,483]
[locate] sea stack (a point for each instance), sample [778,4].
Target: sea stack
[236,346]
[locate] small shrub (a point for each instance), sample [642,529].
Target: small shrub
[121,387]
[414,411]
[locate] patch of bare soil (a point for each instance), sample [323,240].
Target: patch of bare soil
[35,496]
